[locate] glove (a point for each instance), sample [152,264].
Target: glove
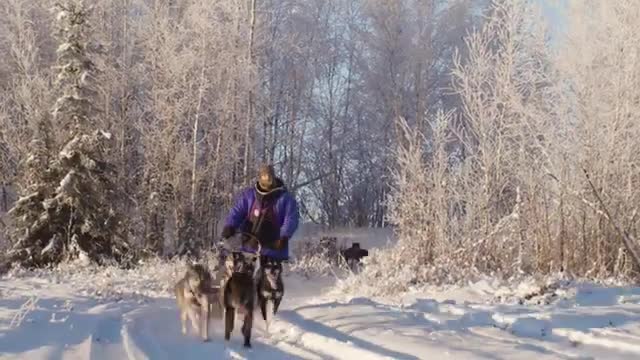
[281,243]
[228,232]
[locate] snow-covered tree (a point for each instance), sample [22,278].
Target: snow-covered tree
[25,94]
[7,172]
[75,109]
[68,213]
[30,225]
[461,195]
[599,67]
[534,118]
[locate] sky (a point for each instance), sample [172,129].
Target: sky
[552,9]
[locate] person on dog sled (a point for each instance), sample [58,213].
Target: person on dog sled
[266,212]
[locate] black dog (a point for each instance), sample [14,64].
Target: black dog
[239,293]
[270,285]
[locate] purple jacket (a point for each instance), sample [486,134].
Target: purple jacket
[285,215]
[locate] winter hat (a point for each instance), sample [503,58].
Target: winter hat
[266,177]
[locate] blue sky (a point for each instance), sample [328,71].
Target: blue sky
[553,11]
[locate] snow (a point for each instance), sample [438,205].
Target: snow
[52,244]
[68,151]
[78,312]
[61,15]
[64,47]
[66,183]
[107,135]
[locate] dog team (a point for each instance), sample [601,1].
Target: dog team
[255,243]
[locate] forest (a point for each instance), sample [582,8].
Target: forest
[489,137]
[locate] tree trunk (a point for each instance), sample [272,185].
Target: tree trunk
[4,198]
[196,129]
[247,133]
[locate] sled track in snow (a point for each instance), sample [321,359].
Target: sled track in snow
[106,340]
[596,324]
[153,332]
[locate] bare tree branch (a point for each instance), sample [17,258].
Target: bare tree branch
[629,243]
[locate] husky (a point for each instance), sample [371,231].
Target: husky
[197,299]
[270,286]
[239,292]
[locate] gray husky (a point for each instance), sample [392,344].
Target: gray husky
[197,299]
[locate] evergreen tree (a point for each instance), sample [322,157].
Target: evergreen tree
[31,230]
[68,210]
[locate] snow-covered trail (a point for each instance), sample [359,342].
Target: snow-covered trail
[58,323]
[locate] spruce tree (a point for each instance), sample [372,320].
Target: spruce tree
[31,230]
[68,212]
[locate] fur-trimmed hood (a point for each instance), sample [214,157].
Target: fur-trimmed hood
[278,188]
